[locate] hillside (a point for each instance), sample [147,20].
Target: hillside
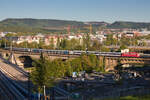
[123,24]
[21,25]
[55,26]
[97,23]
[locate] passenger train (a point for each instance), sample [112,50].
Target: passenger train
[75,52]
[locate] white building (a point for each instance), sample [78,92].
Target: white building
[2,34]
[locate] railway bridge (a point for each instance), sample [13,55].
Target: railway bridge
[25,58]
[111,62]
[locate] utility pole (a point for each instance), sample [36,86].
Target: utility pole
[44,93]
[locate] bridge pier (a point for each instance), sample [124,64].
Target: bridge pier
[12,59]
[110,63]
[15,60]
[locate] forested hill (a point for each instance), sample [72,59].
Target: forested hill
[36,24]
[39,22]
[123,24]
[51,25]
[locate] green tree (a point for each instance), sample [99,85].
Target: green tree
[104,49]
[40,76]
[143,43]
[41,44]
[78,47]
[58,43]
[63,44]
[52,43]
[10,35]
[110,40]
[32,45]
[87,42]
[73,43]
[96,45]
[76,65]
[23,44]
[122,47]
[69,68]
[4,42]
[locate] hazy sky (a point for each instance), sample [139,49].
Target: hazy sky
[80,10]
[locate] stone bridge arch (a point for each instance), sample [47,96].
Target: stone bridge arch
[26,60]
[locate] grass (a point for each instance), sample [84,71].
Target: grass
[30,69]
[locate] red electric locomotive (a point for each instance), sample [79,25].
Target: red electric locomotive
[130,54]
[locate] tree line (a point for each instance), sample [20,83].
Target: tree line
[79,44]
[65,44]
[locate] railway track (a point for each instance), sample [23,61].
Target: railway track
[14,73]
[14,66]
[13,79]
[9,89]
[4,94]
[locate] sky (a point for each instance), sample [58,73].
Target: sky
[79,10]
